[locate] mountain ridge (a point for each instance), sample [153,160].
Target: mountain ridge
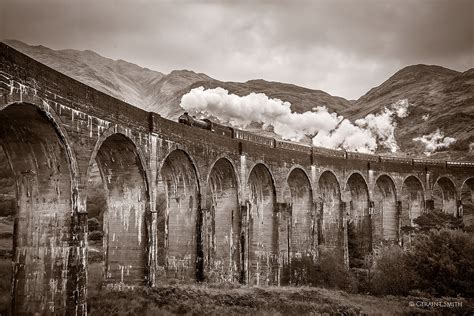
[437,95]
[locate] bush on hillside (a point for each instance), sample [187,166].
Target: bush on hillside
[392,274]
[437,219]
[438,263]
[442,262]
[96,235]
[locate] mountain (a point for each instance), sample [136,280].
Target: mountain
[164,95]
[118,78]
[155,91]
[301,99]
[438,96]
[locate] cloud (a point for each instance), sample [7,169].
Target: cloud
[342,47]
[435,141]
[326,129]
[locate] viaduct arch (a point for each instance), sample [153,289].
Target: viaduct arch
[359,228]
[42,172]
[224,244]
[181,202]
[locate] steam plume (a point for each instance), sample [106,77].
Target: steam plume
[435,141]
[326,129]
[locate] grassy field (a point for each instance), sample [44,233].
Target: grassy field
[209,299]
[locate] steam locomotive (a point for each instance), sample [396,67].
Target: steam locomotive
[206,124]
[228,131]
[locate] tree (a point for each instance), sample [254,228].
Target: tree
[437,220]
[442,262]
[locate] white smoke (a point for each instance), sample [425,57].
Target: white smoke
[326,129]
[435,141]
[382,125]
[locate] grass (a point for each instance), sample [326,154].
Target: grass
[208,299]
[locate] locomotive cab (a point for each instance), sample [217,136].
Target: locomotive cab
[185,118]
[193,121]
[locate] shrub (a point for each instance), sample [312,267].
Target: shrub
[437,220]
[327,271]
[442,261]
[96,235]
[392,274]
[93,224]
[356,250]
[333,273]
[439,263]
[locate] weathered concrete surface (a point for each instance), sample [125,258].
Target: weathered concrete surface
[182,202]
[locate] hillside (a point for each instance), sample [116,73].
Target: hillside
[437,96]
[118,78]
[301,99]
[155,91]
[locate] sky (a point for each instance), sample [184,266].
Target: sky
[342,47]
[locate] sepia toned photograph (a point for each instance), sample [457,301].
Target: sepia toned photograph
[236,157]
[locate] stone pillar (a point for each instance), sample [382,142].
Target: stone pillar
[429,205]
[370,225]
[284,231]
[460,209]
[344,232]
[77,266]
[429,188]
[284,238]
[399,222]
[319,222]
[200,237]
[376,224]
[244,243]
[315,229]
[206,247]
[152,217]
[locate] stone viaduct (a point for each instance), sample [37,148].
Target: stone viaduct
[183,202]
